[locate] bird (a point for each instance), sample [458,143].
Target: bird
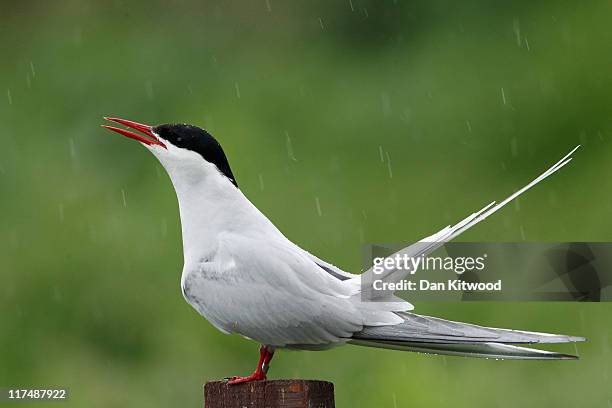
[245,277]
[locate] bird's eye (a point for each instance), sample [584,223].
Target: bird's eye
[179,139]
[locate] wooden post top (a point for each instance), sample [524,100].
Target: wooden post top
[270,394]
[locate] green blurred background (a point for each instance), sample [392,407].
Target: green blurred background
[467,101]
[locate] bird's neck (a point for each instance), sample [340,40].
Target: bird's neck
[210,207]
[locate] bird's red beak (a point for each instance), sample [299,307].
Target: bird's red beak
[146,129]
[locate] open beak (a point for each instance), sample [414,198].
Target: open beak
[146,129]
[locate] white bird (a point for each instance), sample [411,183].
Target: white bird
[244,276]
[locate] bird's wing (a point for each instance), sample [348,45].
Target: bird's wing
[268,291]
[433,242]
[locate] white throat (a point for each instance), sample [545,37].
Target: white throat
[209,204]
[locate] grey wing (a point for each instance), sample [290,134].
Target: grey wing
[271,293]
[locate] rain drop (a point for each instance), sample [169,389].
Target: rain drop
[261,181]
[386,104]
[514,147]
[318,204]
[289,147]
[72,148]
[73,154]
[389,165]
[517,31]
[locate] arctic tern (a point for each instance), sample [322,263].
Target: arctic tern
[244,276]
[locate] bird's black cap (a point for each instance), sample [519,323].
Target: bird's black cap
[198,140]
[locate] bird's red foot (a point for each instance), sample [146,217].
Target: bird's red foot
[253,377]
[265,355]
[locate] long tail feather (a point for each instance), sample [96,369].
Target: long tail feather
[435,330]
[433,335]
[433,242]
[480,350]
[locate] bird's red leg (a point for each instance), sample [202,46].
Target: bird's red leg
[259,374]
[266,363]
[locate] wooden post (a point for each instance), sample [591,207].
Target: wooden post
[270,394]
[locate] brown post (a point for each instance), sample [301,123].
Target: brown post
[270,394]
